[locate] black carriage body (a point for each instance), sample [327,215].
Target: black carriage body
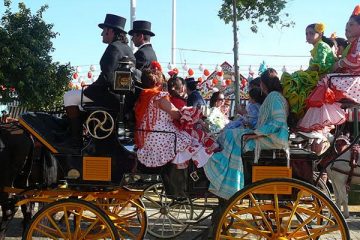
[101,162]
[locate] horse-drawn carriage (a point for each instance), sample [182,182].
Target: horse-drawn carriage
[95,193]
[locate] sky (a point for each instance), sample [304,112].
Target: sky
[198,27]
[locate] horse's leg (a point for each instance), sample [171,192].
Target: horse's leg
[27,211]
[335,184]
[8,209]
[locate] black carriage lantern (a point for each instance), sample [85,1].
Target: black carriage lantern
[125,76]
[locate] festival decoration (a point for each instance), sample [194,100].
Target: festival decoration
[190,72]
[218,68]
[228,82]
[206,72]
[89,74]
[185,67]
[201,68]
[200,80]
[220,74]
[215,81]
[262,67]
[170,66]
[75,75]
[92,68]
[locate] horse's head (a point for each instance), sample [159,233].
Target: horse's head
[341,143]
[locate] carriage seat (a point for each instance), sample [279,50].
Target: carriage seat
[301,162]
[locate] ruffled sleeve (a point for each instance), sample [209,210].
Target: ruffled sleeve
[322,57]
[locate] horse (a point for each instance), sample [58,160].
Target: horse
[343,172]
[20,157]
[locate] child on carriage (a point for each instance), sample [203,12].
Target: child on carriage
[249,116]
[298,85]
[323,103]
[225,169]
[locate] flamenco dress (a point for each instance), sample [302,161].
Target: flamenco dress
[298,85]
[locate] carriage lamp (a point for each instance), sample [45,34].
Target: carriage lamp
[123,76]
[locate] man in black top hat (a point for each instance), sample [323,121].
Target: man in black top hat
[114,35]
[141,34]
[194,97]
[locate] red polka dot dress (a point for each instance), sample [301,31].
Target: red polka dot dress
[159,147]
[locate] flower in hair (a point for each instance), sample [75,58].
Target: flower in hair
[319,27]
[356,10]
[156,66]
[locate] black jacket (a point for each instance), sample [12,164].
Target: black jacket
[109,62]
[144,56]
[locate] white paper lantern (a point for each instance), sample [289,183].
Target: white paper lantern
[185,67]
[201,68]
[92,68]
[218,68]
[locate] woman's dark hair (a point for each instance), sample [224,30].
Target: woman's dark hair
[254,83]
[151,78]
[214,98]
[174,86]
[270,79]
[255,93]
[356,18]
[342,42]
[327,40]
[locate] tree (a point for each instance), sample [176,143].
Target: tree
[256,11]
[27,72]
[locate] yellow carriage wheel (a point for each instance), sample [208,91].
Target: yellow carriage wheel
[71,219]
[129,216]
[280,209]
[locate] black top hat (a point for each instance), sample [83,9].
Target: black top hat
[143,27]
[114,21]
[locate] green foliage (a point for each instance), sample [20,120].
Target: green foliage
[25,61]
[255,11]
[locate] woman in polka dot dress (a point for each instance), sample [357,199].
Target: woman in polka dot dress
[344,85]
[154,116]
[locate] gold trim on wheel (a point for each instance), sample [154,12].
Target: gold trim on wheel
[306,213]
[71,219]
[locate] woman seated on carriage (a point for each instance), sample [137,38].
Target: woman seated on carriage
[155,112]
[323,103]
[298,85]
[225,169]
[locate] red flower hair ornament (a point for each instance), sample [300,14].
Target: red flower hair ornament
[356,10]
[156,66]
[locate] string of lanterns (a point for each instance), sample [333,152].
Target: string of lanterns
[79,81]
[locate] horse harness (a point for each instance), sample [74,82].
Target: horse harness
[353,163]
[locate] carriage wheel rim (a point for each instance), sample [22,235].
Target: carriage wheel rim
[71,219]
[252,215]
